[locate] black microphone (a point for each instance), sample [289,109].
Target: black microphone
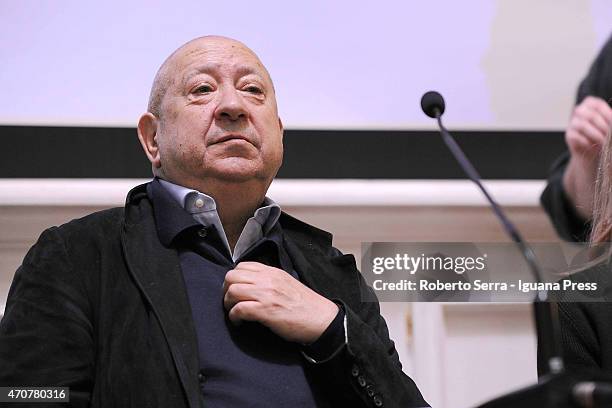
[546,313]
[432,104]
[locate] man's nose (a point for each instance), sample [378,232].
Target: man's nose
[231,106]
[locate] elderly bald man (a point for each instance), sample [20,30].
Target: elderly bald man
[201,291]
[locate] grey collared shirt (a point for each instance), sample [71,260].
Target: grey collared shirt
[204,209]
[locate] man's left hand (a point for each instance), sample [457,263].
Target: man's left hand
[257,292]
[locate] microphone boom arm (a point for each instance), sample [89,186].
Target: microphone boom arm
[545,309]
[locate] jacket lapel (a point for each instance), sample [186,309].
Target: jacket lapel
[156,270]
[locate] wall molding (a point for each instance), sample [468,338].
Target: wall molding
[287,192]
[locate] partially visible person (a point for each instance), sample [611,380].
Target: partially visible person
[568,197]
[586,327]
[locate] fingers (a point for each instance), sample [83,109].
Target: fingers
[589,126]
[586,133]
[246,310]
[596,112]
[252,272]
[239,276]
[239,292]
[244,288]
[252,266]
[601,106]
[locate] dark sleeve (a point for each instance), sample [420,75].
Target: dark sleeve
[579,341]
[598,81]
[330,342]
[567,222]
[368,372]
[46,335]
[585,323]
[579,344]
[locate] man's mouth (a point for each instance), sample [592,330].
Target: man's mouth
[231,137]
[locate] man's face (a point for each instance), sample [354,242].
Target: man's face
[219,117]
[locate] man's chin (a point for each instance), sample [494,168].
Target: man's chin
[240,169]
[237,174]
[236,177]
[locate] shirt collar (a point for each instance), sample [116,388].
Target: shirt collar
[195,202]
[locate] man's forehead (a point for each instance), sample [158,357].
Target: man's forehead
[239,68]
[206,54]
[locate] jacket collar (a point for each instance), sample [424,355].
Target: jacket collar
[156,270]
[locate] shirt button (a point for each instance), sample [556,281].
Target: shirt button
[377,401]
[199,203]
[355,370]
[202,233]
[361,381]
[370,390]
[201,377]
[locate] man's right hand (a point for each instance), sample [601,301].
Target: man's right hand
[585,136]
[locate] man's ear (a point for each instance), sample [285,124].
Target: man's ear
[147,134]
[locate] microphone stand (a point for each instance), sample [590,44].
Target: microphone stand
[557,388]
[545,309]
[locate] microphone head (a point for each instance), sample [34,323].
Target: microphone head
[431,102]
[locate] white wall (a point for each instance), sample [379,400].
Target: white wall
[500,63]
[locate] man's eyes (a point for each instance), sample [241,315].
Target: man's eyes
[203,89]
[253,89]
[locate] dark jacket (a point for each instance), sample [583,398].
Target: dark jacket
[586,327]
[99,305]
